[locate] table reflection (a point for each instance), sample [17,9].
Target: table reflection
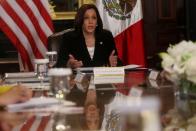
[10,121]
[96,100]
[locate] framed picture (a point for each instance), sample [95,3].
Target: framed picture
[66,9]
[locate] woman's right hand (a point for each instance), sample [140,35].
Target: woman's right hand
[73,63]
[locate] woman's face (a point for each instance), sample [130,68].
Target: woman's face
[92,117]
[90,21]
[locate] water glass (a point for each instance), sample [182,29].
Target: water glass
[52,57]
[59,81]
[41,69]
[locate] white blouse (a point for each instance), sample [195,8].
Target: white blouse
[91,51]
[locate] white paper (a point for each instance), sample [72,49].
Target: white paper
[132,66]
[108,79]
[19,74]
[25,80]
[153,75]
[80,87]
[57,109]
[108,71]
[36,102]
[153,83]
[37,86]
[135,92]
[79,77]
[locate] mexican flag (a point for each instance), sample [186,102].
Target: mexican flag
[124,19]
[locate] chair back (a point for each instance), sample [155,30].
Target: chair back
[56,39]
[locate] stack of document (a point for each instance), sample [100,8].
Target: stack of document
[22,77]
[90,69]
[36,103]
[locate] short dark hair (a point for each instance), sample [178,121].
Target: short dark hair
[79,18]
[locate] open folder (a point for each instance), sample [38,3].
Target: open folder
[90,69]
[20,75]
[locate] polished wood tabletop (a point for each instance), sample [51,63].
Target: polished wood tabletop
[93,111]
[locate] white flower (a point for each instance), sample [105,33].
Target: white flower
[180,61]
[191,69]
[167,62]
[182,51]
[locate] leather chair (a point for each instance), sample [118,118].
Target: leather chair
[56,39]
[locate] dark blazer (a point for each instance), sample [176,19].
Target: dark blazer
[74,43]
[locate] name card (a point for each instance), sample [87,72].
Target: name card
[103,75]
[135,92]
[108,71]
[79,77]
[109,79]
[92,83]
[154,84]
[81,87]
[153,75]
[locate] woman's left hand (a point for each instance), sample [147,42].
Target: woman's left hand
[18,93]
[113,59]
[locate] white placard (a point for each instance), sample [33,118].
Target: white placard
[153,83]
[108,79]
[80,87]
[79,77]
[132,66]
[33,103]
[20,75]
[135,92]
[108,71]
[153,75]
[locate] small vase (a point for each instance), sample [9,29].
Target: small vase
[187,96]
[187,89]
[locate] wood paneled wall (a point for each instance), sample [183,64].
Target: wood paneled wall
[164,24]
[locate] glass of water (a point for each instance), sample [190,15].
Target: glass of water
[52,57]
[41,69]
[59,83]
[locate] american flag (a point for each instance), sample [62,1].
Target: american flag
[35,123]
[27,24]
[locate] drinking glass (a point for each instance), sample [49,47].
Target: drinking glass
[41,69]
[52,57]
[59,82]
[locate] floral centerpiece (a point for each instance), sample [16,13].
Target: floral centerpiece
[179,63]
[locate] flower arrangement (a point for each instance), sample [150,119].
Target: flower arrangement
[179,63]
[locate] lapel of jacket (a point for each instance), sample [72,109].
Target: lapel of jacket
[84,47]
[98,42]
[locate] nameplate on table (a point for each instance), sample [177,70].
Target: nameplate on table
[20,75]
[153,75]
[103,75]
[79,77]
[154,84]
[135,92]
[113,79]
[108,71]
[81,87]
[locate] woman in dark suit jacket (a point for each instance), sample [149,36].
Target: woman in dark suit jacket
[88,45]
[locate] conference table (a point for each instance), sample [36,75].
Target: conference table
[102,106]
